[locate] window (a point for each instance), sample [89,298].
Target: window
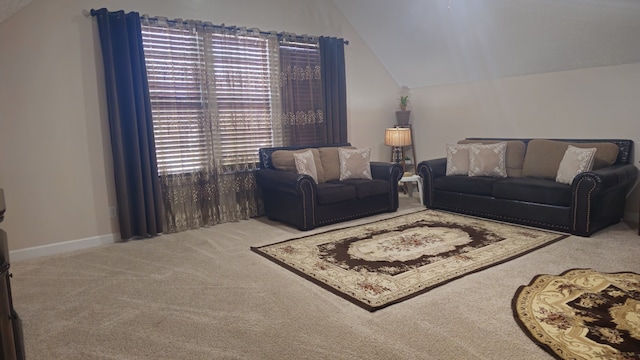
[209,93]
[243,96]
[175,65]
[219,95]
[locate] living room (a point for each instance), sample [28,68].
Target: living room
[57,171]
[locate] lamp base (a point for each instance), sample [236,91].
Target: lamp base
[397,154]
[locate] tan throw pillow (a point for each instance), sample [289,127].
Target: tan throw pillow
[487,160]
[354,163]
[574,162]
[283,160]
[457,159]
[305,164]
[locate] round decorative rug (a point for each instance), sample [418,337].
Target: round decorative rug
[582,314]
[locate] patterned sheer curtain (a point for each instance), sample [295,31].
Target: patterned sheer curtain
[212,91]
[303,119]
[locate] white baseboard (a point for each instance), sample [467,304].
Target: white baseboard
[631,217]
[62,247]
[86,243]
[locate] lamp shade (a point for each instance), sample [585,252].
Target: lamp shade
[397,136]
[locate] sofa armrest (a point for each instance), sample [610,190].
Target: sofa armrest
[598,194]
[429,170]
[391,172]
[386,171]
[284,181]
[593,182]
[609,176]
[435,167]
[288,196]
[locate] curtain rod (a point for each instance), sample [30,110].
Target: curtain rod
[94,12]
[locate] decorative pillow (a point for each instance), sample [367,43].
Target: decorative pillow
[488,160]
[457,159]
[305,164]
[514,155]
[354,163]
[574,162]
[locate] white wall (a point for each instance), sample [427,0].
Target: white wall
[600,102]
[55,162]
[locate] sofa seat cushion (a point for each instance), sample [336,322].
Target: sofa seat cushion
[542,191]
[365,188]
[478,185]
[329,193]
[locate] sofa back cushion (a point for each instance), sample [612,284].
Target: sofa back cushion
[514,155]
[283,160]
[331,162]
[543,156]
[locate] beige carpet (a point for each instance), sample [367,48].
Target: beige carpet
[203,294]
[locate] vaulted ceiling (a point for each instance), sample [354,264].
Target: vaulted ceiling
[10,7]
[430,42]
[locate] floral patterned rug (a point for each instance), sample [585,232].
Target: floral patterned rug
[582,314]
[385,262]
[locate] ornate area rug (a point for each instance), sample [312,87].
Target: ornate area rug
[382,263]
[582,314]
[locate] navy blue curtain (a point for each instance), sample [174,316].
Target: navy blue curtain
[334,87]
[131,127]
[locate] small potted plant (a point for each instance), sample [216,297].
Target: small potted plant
[404,101]
[402,116]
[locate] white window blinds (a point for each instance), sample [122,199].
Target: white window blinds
[175,67]
[243,96]
[211,98]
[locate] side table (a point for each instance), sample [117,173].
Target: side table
[413,179]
